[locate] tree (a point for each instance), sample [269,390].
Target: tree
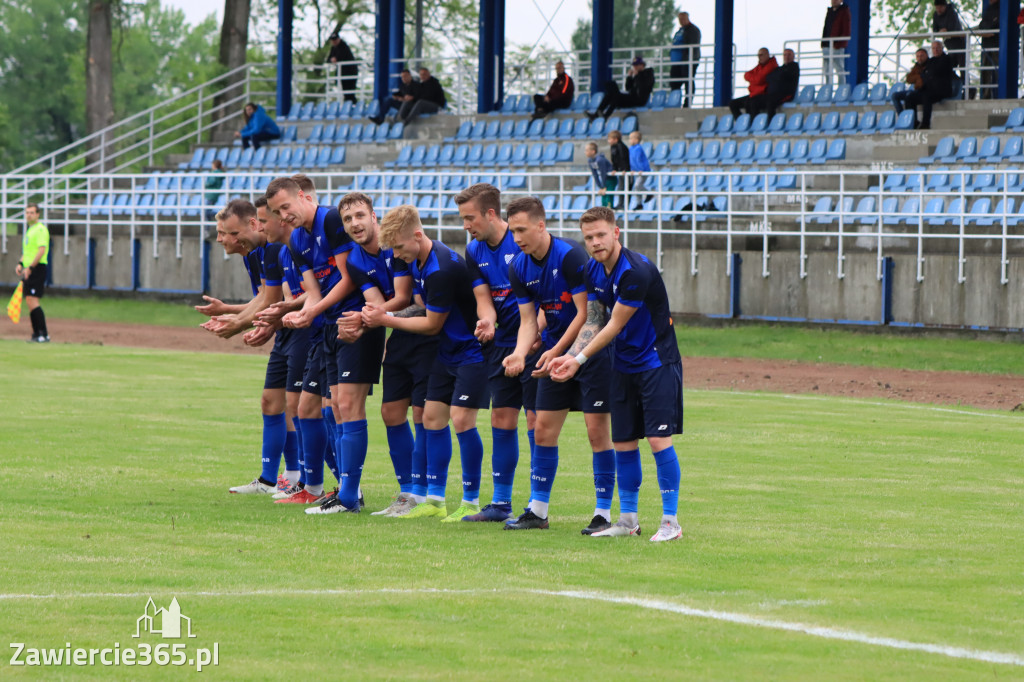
[234,41]
[638,23]
[99,73]
[913,16]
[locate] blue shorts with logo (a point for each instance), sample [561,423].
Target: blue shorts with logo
[588,391]
[314,375]
[647,404]
[287,362]
[459,385]
[408,360]
[506,391]
[353,363]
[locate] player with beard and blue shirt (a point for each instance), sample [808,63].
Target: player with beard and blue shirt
[455,392]
[488,257]
[647,382]
[548,274]
[386,281]
[319,248]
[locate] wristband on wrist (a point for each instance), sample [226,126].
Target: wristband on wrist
[581,358]
[390,314]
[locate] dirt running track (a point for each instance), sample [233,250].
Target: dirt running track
[997,392]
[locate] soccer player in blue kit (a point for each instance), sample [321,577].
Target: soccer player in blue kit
[647,382]
[386,281]
[455,392]
[488,257]
[319,248]
[549,274]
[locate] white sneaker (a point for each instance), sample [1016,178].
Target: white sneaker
[331,506]
[257,487]
[402,503]
[287,493]
[618,530]
[666,532]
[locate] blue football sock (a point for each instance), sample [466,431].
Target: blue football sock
[533,443]
[302,454]
[503,463]
[333,453]
[471,450]
[419,461]
[314,444]
[668,479]
[291,450]
[604,478]
[274,435]
[400,446]
[542,478]
[354,444]
[439,456]
[630,477]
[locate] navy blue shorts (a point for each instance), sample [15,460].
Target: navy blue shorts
[588,391]
[287,362]
[506,391]
[461,386]
[648,403]
[353,363]
[407,364]
[314,375]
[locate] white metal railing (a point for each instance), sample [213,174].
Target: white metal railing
[866,209]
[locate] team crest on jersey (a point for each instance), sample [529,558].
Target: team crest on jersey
[387,262]
[318,240]
[554,273]
[508,258]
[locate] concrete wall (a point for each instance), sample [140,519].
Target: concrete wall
[938,301]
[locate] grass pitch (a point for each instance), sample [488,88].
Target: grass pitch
[890,520]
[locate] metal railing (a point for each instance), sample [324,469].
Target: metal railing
[699,210]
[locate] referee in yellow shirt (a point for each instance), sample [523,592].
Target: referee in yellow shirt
[35,252]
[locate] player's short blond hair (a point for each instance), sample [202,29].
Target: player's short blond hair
[596,213]
[400,222]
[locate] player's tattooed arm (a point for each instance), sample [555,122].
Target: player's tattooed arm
[596,319]
[415,310]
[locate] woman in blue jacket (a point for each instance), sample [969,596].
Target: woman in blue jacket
[259,127]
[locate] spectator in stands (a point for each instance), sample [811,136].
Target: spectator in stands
[638,163]
[558,96]
[685,57]
[937,79]
[988,29]
[837,25]
[601,170]
[429,98]
[341,54]
[214,182]
[914,78]
[782,82]
[945,19]
[620,159]
[756,101]
[639,85]
[406,92]
[259,127]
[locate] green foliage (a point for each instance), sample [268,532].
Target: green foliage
[915,16]
[638,23]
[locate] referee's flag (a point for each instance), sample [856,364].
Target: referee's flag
[14,305]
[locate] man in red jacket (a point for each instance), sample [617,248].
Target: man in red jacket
[837,25]
[756,102]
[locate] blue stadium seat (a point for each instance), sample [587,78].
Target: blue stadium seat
[674,99]
[478,131]
[868,120]
[709,155]
[323,158]
[660,155]
[341,134]
[580,128]
[222,154]
[525,105]
[823,96]
[822,211]
[536,129]
[298,159]
[1014,122]
[878,94]
[848,124]
[1013,150]
[836,151]
[369,109]
[763,151]
[345,111]
[413,158]
[817,152]
[798,152]
[987,151]
[270,160]
[905,121]
[338,156]
[933,211]
[909,211]
[777,125]
[305,112]
[521,129]
[461,155]
[981,182]
[519,153]
[550,203]
[197,159]
[397,131]
[504,154]
[595,100]
[629,124]
[794,123]
[859,95]
[565,153]
[944,151]
[550,131]
[315,133]
[382,133]
[759,124]
[694,150]
[565,127]
[841,97]
[995,216]
[426,183]
[446,155]
[677,156]
[804,98]
[550,154]
[333,109]
[865,211]
[245,160]
[741,126]
[745,152]
[327,134]
[508,105]
[887,121]
[889,210]
[289,134]
[536,153]
[657,101]
[319,110]
[780,152]
[514,181]
[811,123]
[506,131]
[613,123]
[724,125]
[968,148]
[355,133]
[707,127]
[728,153]
[476,153]
[490,155]
[579,206]
[432,156]
[830,123]
[581,102]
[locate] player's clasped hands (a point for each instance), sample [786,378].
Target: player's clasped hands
[484,331]
[297,319]
[563,368]
[373,315]
[271,315]
[514,365]
[258,336]
[350,326]
[214,306]
[544,364]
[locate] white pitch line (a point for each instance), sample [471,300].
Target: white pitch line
[652,604]
[861,401]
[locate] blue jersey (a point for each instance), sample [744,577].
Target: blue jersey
[444,284]
[273,274]
[490,266]
[315,249]
[550,283]
[369,271]
[254,268]
[648,340]
[292,276]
